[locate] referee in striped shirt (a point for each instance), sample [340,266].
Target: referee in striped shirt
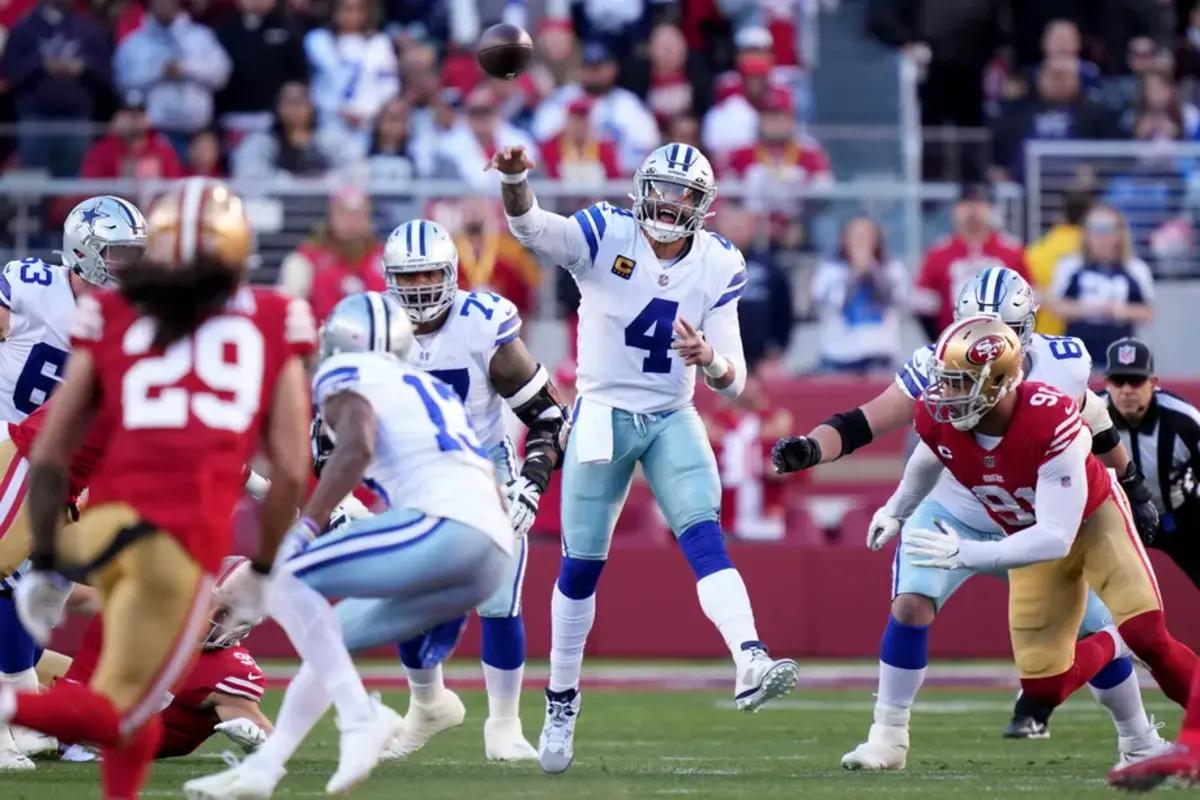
[1161,431]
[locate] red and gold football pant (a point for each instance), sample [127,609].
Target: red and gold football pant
[14,516]
[155,601]
[1046,601]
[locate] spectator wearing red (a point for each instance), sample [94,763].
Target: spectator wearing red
[578,156]
[342,257]
[733,122]
[670,93]
[131,149]
[204,157]
[782,154]
[490,259]
[973,246]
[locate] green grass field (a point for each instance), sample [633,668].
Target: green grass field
[667,744]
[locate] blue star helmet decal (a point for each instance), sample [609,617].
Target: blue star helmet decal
[90,215]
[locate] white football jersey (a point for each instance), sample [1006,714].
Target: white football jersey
[629,301]
[427,457]
[33,358]
[1060,361]
[460,354]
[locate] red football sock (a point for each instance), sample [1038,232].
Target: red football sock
[1171,662]
[1091,654]
[71,712]
[1190,733]
[124,769]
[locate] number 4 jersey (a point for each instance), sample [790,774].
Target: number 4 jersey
[1004,478]
[185,420]
[39,299]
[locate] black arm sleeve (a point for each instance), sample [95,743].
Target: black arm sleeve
[538,404]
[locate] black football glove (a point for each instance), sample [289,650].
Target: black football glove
[795,453]
[1145,515]
[322,444]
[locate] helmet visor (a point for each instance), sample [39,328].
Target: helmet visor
[956,396]
[670,202]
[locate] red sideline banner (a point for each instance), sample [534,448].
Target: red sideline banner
[810,602]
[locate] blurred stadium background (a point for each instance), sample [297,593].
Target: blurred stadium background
[871,154]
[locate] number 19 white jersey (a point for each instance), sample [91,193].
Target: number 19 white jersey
[629,302]
[41,305]
[1060,361]
[427,457]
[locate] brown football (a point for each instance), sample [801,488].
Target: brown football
[504,51]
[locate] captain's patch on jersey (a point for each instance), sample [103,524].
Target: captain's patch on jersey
[623,267]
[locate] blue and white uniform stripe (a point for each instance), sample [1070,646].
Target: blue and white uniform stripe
[592,222]
[327,552]
[735,289]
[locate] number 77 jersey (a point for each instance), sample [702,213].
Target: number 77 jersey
[187,418]
[1004,479]
[629,302]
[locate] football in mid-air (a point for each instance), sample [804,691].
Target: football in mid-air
[504,51]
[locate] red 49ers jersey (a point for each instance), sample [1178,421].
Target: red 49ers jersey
[1004,479]
[189,718]
[185,420]
[83,463]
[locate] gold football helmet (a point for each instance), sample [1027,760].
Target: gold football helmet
[198,217]
[976,362]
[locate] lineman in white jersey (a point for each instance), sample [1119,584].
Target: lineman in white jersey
[442,547]
[471,341]
[659,299]
[37,303]
[919,592]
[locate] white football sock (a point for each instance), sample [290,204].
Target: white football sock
[315,632]
[23,681]
[1124,704]
[898,689]
[304,703]
[503,691]
[571,620]
[724,600]
[425,685]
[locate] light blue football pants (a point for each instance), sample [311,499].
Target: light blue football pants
[402,573]
[677,461]
[939,584]
[506,600]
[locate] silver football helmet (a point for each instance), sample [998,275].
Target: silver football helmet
[100,235]
[367,321]
[221,634]
[417,247]
[1002,293]
[673,191]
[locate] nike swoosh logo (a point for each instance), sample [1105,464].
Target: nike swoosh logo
[253,677]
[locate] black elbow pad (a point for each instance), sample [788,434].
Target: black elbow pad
[1105,441]
[853,428]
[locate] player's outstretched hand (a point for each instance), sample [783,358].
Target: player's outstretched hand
[883,528]
[243,732]
[690,344]
[794,453]
[937,548]
[510,160]
[40,597]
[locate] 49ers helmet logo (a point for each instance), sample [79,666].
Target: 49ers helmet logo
[988,348]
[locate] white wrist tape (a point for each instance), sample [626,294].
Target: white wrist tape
[516,177]
[717,367]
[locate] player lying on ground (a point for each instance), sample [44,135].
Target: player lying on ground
[222,691]
[441,549]
[37,302]
[1023,446]
[190,371]
[919,593]
[659,303]
[471,340]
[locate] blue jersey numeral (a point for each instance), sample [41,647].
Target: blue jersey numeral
[459,380]
[1064,347]
[33,270]
[472,301]
[728,245]
[447,440]
[40,376]
[651,331]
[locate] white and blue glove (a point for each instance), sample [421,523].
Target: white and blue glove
[939,548]
[883,528]
[523,499]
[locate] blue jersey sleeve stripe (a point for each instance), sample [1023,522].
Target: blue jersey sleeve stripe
[585,225]
[508,337]
[732,294]
[598,218]
[512,323]
[908,385]
[343,373]
[737,280]
[5,291]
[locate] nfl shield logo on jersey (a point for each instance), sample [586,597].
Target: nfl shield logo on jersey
[1126,354]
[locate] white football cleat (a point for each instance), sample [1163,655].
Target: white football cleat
[503,740]
[556,745]
[761,678]
[34,743]
[11,757]
[1133,749]
[886,748]
[239,782]
[361,746]
[423,722]
[78,754]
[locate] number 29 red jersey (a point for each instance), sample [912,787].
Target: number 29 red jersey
[1004,479]
[185,420]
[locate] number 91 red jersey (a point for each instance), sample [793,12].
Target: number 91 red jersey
[185,420]
[1004,479]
